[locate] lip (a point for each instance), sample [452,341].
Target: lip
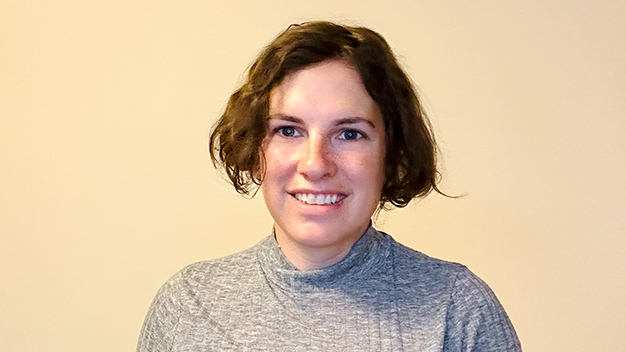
[328,196]
[310,191]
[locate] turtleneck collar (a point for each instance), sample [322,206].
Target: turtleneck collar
[366,255]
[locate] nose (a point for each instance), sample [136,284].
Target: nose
[316,159]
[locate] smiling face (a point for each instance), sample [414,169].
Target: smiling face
[324,163]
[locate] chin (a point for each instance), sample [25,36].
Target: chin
[325,235]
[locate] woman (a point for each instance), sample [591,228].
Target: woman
[330,128]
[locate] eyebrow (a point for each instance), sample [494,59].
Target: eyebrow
[341,121]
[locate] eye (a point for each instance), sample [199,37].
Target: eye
[287,131]
[351,135]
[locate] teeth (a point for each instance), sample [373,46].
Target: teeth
[319,199]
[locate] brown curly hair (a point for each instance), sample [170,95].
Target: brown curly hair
[410,161]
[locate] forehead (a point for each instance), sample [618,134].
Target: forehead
[325,89]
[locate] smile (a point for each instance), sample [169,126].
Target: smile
[319,199]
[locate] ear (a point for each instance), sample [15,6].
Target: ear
[258,172]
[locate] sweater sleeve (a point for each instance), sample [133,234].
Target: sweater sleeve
[476,321]
[159,328]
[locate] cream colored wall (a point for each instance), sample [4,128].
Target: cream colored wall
[106,188]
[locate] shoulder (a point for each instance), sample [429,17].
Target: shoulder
[189,296]
[476,318]
[473,317]
[226,266]
[456,279]
[416,268]
[199,285]
[212,273]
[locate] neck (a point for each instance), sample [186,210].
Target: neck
[308,259]
[314,256]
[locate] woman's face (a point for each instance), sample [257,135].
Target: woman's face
[324,159]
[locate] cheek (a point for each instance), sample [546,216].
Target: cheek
[370,166]
[274,163]
[271,157]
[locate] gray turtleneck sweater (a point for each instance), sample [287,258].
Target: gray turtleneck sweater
[381,297]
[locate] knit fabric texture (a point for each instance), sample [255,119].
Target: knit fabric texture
[382,296]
